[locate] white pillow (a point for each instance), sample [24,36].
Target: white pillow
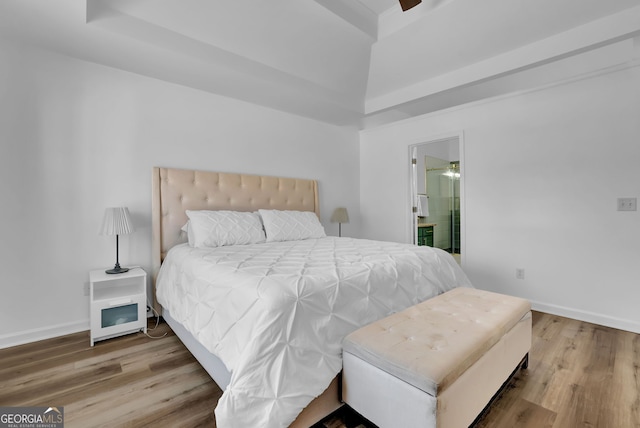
[219,228]
[291,225]
[187,229]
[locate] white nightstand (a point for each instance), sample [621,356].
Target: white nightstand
[118,303]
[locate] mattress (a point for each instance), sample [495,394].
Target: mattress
[276,313]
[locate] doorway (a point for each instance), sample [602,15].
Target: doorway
[437,195]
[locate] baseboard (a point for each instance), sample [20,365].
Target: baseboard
[592,317]
[28,336]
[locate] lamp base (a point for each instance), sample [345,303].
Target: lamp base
[117,269]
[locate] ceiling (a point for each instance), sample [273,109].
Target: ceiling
[337,61]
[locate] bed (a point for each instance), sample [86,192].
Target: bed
[266,320]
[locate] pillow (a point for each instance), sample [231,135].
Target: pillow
[291,225]
[187,229]
[219,228]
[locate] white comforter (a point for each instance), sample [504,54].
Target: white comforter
[276,313]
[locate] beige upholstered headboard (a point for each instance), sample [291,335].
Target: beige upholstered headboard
[177,190]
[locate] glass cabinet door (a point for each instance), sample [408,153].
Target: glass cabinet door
[119,315]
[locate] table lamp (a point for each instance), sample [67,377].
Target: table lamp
[340,215]
[117,221]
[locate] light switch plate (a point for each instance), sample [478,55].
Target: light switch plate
[627,204]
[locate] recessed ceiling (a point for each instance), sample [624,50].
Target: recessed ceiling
[330,60]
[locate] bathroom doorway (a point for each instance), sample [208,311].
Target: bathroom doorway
[437,195]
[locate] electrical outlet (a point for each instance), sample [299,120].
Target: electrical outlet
[85,288]
[519,273]
[627,204]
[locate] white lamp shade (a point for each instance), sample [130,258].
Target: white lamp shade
[117,221]
[340,215]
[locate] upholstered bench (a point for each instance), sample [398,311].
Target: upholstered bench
[438,363]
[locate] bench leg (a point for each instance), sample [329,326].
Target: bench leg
[525,362]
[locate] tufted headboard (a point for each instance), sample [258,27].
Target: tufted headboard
[177,190]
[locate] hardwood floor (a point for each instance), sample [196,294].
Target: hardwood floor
[579,375]
[131,381]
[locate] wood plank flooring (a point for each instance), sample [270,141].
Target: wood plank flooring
[130,381]
[579,375]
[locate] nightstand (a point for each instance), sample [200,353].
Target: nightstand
[118,303]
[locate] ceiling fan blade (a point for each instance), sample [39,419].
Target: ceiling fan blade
[408,4]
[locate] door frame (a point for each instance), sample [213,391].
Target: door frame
[412,230]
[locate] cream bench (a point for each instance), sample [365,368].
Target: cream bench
[438,363]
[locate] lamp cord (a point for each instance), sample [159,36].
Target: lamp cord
[157,315]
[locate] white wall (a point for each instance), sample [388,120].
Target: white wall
[542,174]
[76,137]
